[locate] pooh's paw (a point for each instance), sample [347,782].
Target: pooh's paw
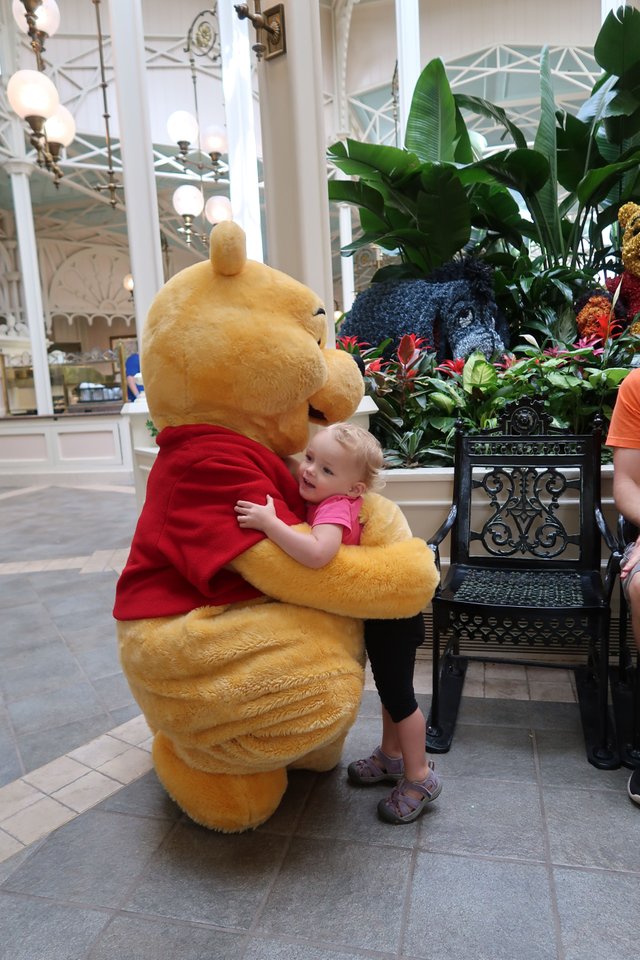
[227,802]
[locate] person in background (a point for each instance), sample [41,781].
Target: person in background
[624,437]
[132,367]
[340,464]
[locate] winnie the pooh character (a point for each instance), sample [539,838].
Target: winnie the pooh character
[244,662]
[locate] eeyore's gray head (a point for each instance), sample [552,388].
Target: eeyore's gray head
[467,323]
[467,315]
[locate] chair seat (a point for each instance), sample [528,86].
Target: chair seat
[539,589]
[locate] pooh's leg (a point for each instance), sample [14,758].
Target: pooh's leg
[227,802]
[237,695]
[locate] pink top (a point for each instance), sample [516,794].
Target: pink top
[341,510]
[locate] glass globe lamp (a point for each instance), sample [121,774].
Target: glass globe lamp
[182,128]
[32,94]
[188,201]
[47,16]
[218,209]
[60,129]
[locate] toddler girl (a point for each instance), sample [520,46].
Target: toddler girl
[340,464]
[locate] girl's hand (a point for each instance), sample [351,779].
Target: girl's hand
[255,516]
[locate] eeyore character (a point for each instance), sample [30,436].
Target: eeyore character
[454,309]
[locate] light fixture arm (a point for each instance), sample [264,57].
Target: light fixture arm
[112,184]
[37,37]
[272,23]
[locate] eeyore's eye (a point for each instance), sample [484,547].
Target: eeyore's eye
[465,318]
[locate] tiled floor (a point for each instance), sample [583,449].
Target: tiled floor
[529,852]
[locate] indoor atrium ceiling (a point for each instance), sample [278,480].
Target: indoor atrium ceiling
[507,74]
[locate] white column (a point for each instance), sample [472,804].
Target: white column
[294,147]
[606,6]
[19,172]
[238,100]
[408,45]
[143,224]
[346,263]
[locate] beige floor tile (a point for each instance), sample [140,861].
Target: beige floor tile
[23,491]
[128,766]
[134,731]
[557,692]
[16,796]
[37,820]
[549,675]
[147,745]
[473,688]
[506,689]
[505,671]
[87,791]
[475,670]
[97,562]
[56,774]
[16,567]
[9,846]
[99,751]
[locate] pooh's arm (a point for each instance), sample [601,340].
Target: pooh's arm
[390,575]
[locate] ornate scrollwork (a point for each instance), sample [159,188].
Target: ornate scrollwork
[524,520]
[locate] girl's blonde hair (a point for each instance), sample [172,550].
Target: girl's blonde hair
[365,449]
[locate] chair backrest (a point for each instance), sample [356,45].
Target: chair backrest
[527,493]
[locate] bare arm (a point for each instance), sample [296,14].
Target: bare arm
[626,493]
[133,386]
[313,549]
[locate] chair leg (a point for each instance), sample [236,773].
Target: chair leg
[594,704]
[434,713]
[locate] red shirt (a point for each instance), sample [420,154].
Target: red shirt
[188,530]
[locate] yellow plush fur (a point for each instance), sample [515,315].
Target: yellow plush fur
[237,694]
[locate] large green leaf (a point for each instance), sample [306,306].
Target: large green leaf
[617,47]
[545,143]
[577,151]
[431,124]
[358,193]
[492,112]
[526,171]
[444,214]
[597,183]
[372,159]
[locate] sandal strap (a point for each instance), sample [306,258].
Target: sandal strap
[377,764]
[403,802]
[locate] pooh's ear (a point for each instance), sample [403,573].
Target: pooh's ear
[228,248]
[626,212]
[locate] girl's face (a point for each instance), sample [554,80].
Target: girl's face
[327,470]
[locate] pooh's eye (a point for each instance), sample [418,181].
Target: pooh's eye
[320,312]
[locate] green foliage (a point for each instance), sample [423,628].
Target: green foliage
[537,213]
[420,401]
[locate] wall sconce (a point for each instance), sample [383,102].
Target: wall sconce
[188,203]
[270,23]
[127,283]
[38,18]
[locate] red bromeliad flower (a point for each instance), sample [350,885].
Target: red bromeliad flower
[375,366]
[584,342]
[508,360]
[452,367]
[351,344]
[409,348]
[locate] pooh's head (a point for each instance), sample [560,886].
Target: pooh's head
[234,343]
[629,220]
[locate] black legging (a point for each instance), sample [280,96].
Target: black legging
[391,647]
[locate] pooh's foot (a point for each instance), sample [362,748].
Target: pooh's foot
[220,801]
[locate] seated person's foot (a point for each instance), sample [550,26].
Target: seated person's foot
[408,800]
[633,787]
[376,768]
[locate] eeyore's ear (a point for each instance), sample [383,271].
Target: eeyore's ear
[440,341]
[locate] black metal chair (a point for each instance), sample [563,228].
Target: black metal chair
[625,675]
[525,567]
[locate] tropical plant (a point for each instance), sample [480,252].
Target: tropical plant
[419,401]
[433,199]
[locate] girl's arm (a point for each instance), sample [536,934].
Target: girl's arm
[313,549]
